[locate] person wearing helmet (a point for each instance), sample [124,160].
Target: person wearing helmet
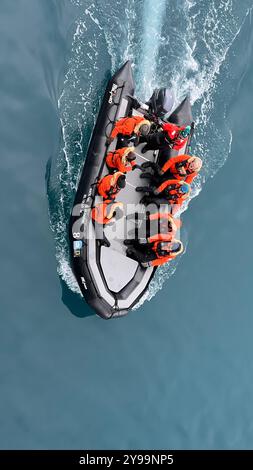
[107,212]
[182,167]
[129,129]
[172,191]
[109,186]
[170,135]
[156,253]
[122,160]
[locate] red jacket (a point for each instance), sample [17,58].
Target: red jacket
[118,160]
[172,131]
[172,166]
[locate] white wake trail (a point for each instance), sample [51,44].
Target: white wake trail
[152,22]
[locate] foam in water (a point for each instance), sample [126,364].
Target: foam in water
[206,43]
[153,15]
[184,44]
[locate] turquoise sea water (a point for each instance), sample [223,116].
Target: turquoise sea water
[176,373]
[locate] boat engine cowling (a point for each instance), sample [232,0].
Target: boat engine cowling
[161,102]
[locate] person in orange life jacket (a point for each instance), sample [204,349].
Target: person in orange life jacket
[182,167]
[107,212]
[109,186]
[129,129]
[170,136]
[156,253]
[167,227]
[157,226]
[122,160]
[171,191]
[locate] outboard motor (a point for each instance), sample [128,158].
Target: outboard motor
[161,102]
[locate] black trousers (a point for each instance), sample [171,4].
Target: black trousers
[153,199]
[127,141]
[156,141]
[141,253]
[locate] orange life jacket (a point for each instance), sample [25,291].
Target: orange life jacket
[172,165]
[169,235]
[127,126]
[107,186]
[103,212]
[118,159]
[172,194]
[161,259]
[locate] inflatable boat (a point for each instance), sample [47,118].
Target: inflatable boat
[110,281]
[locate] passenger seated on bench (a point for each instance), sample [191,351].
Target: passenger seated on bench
[130,129]
[151,227]
[182,167]
[156,253]
[171,191]
[107,212]
[109,186]
[169,136]
[122,160]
